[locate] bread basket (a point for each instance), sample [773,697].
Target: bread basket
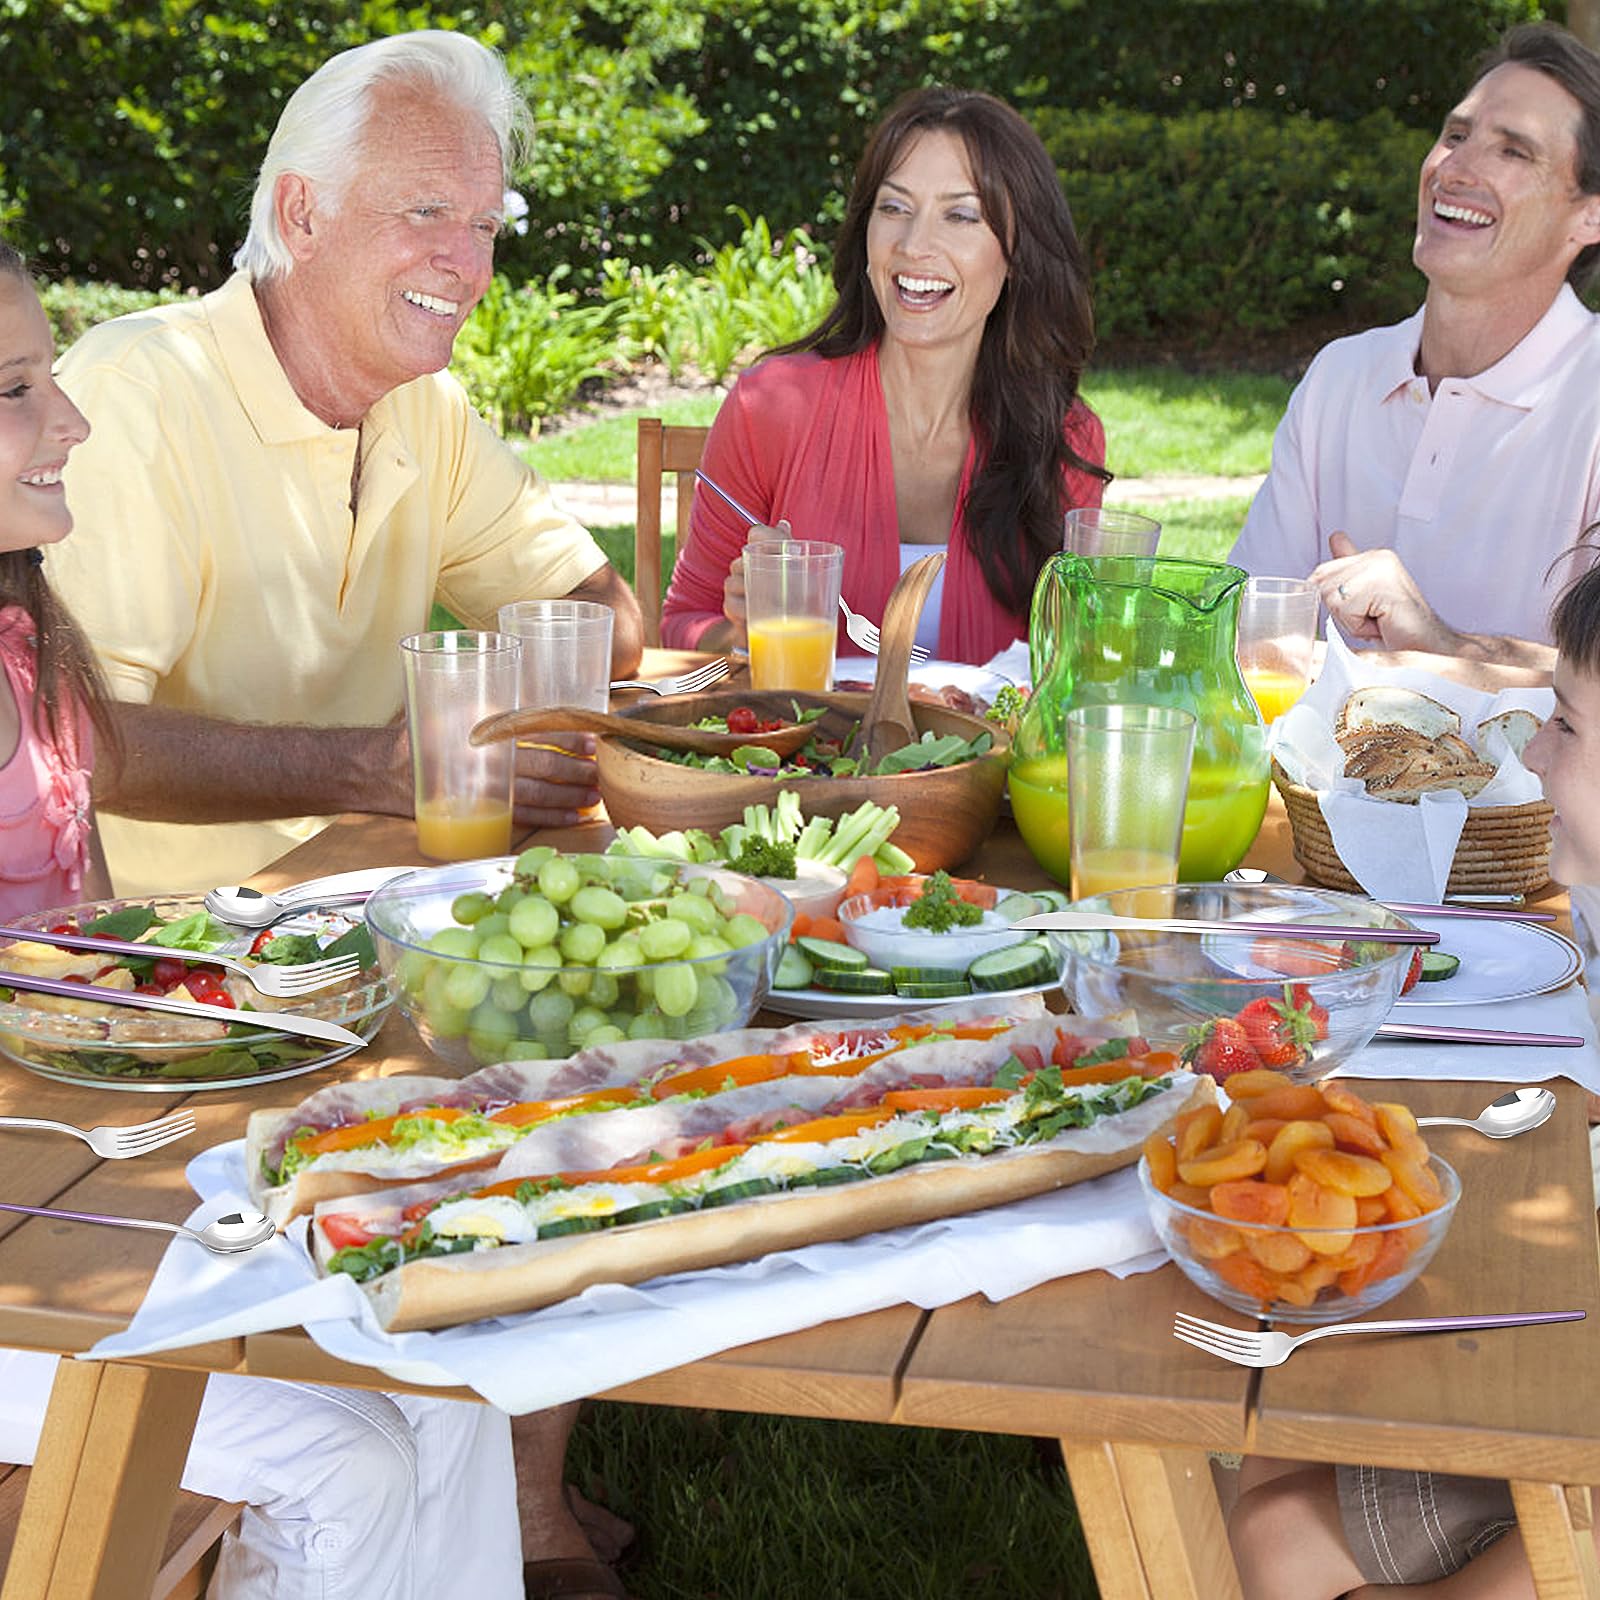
[1502,849]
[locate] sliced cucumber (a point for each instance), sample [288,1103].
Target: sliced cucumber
[928,975]
[863,980]
[651,1209]
[794,971]
[1052,899]
[554,1230]
[743,1190]
[823,1177]
[1437,965]
[1014,907]
[828,955]
[944,989]
[1013,968]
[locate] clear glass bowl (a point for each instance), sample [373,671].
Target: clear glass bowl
[1229,1260]
[1180,983]
[119,1052]
[472,1011]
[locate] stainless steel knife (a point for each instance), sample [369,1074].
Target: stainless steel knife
[280,1021]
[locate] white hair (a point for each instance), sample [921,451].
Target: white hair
[319,135]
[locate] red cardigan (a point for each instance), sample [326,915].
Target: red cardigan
[808,439]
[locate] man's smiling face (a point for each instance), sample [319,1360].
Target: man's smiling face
[1498,207]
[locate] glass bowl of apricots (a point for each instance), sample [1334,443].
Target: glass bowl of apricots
[1301,1202]
[1232,1001]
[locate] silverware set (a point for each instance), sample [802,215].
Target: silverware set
[118,1144]
[685,683]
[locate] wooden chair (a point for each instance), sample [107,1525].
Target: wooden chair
[661,449]
[198,1525]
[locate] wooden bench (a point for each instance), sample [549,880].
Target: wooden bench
[198,1525]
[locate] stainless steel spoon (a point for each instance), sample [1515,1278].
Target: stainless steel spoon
[250,908]
[231,1233]
[1513,1113]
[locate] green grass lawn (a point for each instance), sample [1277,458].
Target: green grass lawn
[1157,422]
[736,1507]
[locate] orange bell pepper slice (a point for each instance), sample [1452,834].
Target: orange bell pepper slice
[355,1134]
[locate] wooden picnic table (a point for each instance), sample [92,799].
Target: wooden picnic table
[1088,1359]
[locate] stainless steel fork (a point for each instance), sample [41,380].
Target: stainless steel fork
[685,683]
[118,1144]
[1246,1347]
[865,634]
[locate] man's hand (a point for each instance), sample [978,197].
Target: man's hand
[1372,596]
[555,780]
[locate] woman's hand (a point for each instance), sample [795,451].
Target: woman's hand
[733,603]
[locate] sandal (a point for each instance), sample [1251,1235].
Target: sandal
[571,1579]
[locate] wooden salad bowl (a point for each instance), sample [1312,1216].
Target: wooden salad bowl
[945,814]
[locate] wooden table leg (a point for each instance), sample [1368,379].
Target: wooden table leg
[100,1498]
[1105,1519]
[1557,1523]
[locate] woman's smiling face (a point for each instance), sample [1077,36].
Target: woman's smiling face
[935,264]
[1565,753]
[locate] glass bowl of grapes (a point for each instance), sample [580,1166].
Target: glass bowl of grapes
[535,956]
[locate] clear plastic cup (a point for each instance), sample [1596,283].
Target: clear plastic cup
[791,591]
[1277,630]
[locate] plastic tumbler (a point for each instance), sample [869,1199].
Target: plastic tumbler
[791,591]
[1107,531]
[1277,630]
[1127,784]
[463,795]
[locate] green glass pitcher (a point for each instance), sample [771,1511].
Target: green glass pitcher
[1145,630]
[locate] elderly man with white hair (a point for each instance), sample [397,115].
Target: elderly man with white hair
[282,478]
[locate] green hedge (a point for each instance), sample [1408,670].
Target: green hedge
[1200,225]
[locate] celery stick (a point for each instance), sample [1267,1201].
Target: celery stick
[787,817]
[813,840]
[851,830]
[892,860]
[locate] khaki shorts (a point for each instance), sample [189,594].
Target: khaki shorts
[1415,1527]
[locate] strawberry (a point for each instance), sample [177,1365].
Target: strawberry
[1413,972]
[1221,1048]
[1279,1031]
[1300,996]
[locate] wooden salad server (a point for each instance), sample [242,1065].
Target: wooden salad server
[701,741]
[888,724]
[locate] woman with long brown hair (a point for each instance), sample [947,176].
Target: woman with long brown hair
[936,406]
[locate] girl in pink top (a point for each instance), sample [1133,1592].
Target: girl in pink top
[936,404]
[49,689]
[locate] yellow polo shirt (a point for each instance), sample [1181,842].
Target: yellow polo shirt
[216,566]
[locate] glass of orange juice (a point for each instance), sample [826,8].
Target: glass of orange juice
[791,593]
[1277,630]
[462,794]
[1127,784]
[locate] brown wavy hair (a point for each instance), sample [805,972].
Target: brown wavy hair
[67,670]
[1035,343]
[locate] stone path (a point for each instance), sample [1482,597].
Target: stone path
[607,505]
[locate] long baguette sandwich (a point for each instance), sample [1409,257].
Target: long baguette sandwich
[356,1137]
[721,1178]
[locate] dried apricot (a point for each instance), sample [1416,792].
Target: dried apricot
[1344,1172]
[1212,1240]
[1400,1206]
[1277,1252]
[1354,1134]
[1317,1274]
[1249,1200]
[1416,1179]
[1196,1130]
[1292,1138]
[1244,1273]
[1234,1121]
[1266,1129]
[1292,1290]
[1371,1209]
[1329,1219]
[1162,1160]
[1389,1259]
[1347,1101]
[1257,1080]
[1363,1248]
[1299,1102]
[1222,1163]
[1399,1127]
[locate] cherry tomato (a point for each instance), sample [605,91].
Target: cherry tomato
[148,988]
[207,987]
[344,1232]
[263,939]
[168,973]
[64,927]
[743,720]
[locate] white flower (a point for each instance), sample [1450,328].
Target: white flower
[515,209]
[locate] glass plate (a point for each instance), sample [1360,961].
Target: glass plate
[85,1050]
[820,1004]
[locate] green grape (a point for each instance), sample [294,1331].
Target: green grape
[623,952]
[411,971]
[745,930]
[502,948]
[605,908]
[603,990]
[584,1021]
[528,863]
[708,944]
[461,942]
[526,1050]
[717,1006]
[507,992]
[701,915]
[550,1011]
[606,1035]
[575,981]
[662,941]
[507,898]
[491,926]
[677,988]
[534,922]
[582,942]
[558,880]
[446,1020]
[648,1025]
[701,887]
[539,968]
[466,987]
[489,1033]
[469,907]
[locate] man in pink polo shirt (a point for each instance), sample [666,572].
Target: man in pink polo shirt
[1433,477]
